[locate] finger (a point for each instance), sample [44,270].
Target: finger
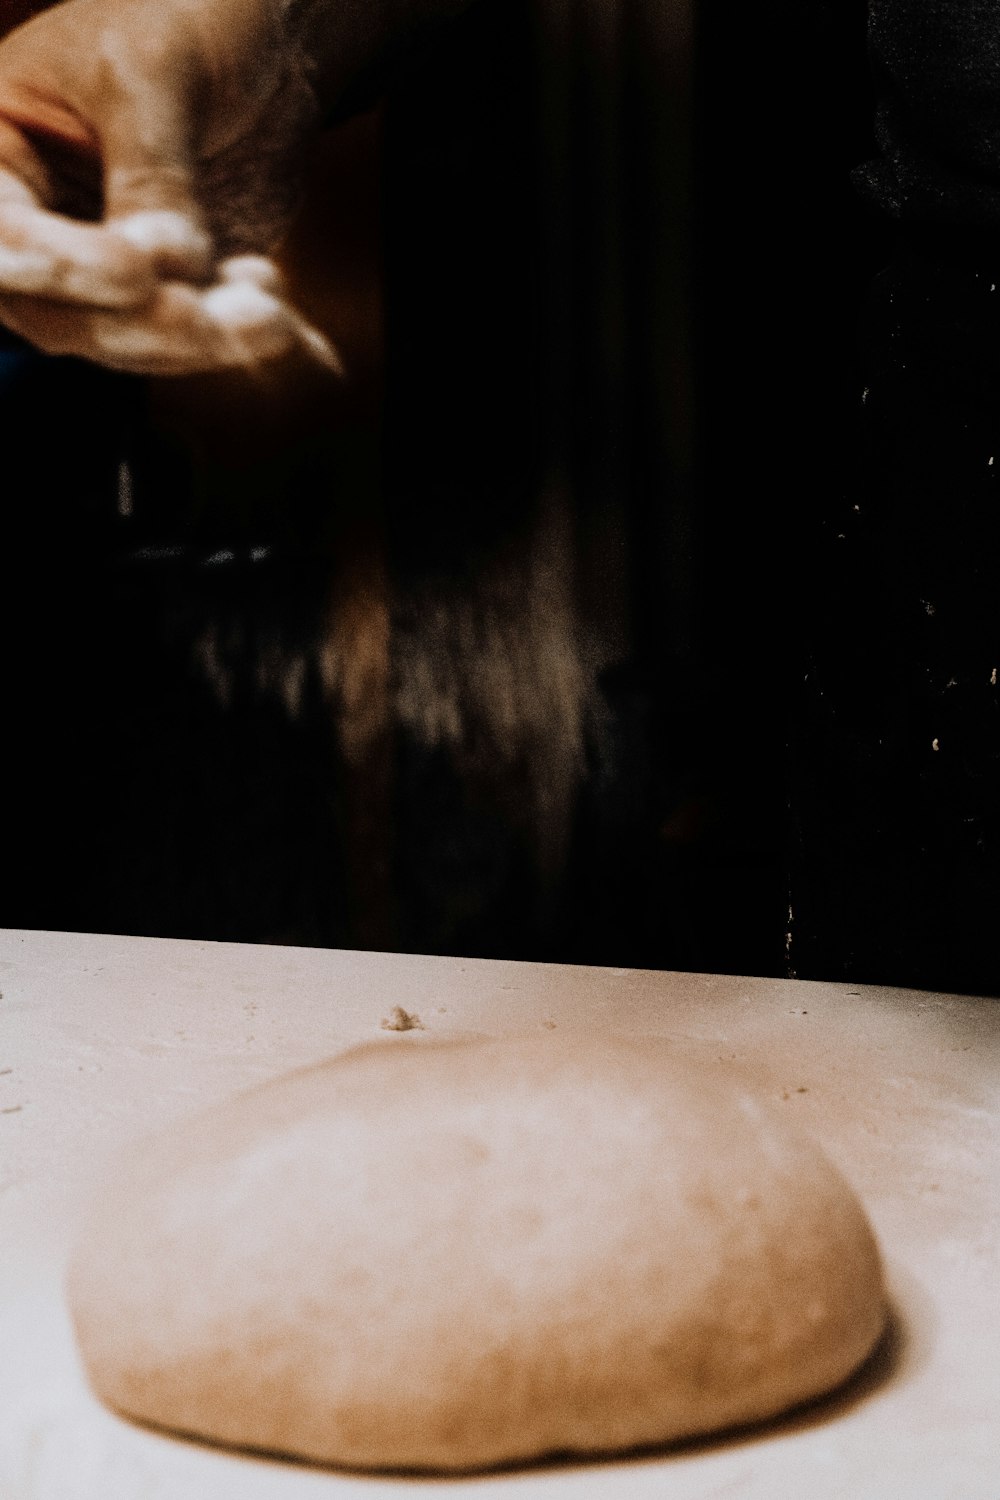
[184,330]
[253,326]
[45,254]
[258,274]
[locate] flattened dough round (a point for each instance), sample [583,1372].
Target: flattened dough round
[438,1256]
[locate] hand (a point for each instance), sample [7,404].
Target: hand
[150,156]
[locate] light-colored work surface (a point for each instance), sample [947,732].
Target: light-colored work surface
[104,1038]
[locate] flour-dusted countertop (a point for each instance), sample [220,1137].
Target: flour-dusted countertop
[105,1038]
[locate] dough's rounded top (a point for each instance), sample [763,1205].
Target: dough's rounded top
[447,1256]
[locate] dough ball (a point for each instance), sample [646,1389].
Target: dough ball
[448,1256]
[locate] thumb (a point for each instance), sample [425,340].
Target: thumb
[144,120]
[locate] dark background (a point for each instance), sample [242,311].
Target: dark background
[736,512]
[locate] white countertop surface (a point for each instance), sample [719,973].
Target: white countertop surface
[104,1038]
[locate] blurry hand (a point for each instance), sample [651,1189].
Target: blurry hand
[150,156]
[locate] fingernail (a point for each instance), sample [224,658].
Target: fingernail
[321,349]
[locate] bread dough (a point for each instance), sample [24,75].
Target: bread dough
[447,1256]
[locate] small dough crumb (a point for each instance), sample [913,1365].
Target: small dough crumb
[401,1020]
